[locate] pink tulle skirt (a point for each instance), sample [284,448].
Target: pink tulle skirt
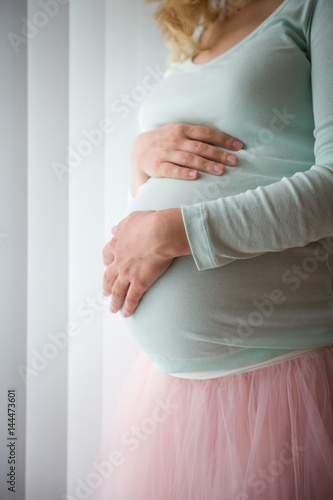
[264,434]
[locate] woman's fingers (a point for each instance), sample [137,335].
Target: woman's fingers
[109,278]
[180,151]
[209,152]
[132,299]
[210,136]
[195,147]
[170,170]
[126,294]
[119,291]
[107,254]
[212,161]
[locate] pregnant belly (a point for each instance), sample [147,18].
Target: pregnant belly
[253,302]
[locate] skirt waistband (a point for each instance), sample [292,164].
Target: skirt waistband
[204,375]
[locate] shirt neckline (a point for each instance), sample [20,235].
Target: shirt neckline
[241,42]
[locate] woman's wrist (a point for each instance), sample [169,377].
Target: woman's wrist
[169,226]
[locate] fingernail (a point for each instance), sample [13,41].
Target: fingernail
[113,309]
[218,168]
[192,173]
[232,159]
[237,145]
[125,314]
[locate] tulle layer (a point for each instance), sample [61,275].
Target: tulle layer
[265,434]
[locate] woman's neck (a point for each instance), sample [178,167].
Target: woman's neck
[223,34]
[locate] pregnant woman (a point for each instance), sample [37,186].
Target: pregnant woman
[222,273]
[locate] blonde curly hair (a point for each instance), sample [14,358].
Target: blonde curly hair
[183,22]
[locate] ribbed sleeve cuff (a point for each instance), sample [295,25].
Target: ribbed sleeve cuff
[196,232]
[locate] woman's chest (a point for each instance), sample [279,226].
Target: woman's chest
[242,86]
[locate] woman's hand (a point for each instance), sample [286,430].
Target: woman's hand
[179,151]
[143,247]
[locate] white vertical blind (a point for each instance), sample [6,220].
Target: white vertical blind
[88,130]
[48,210]
[13,248]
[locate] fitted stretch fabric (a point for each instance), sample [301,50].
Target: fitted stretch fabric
[258,283]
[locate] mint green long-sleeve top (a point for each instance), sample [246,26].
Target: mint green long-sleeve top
[257,284]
